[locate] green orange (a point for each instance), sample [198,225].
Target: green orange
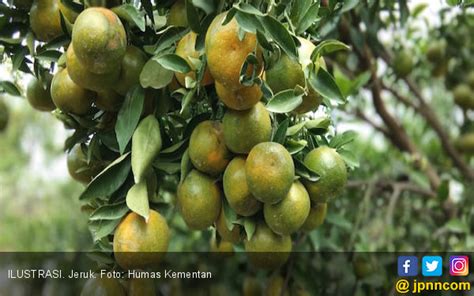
[109,100]
[236,190]
[332,171]
[68,96]
[316,216]
[231,234]
[78,166]
[199,200]
[270,172]
[45,20]
[40,97]
[245,129]
[132,65]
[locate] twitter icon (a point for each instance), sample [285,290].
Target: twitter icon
[432,266]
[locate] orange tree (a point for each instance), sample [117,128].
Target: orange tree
[202,112]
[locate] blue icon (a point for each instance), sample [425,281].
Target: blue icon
[407,266]
[432,266]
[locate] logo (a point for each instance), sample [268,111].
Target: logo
[407,266]
[458,265]
[432,266]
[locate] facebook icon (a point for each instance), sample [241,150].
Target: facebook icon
[407,266]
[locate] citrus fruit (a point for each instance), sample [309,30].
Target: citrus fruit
[79,168]
[288,73]
[103,286]
[275,286]
[141,287]
[316,216]
[99,40]
[132,65]
[68,96]
[186,49]
[266,249]
[402,64]
[239,99]
[109,100]
[332,171]
[226,53]
[231,235]
[4,116]
[288,215]
[362,266]
[464,96]
[68,13]
[436,52]
[39,97]
[236,190]
[245,129]
[270,172]
[251,287]
[80,74]
[465,143]
[199,200]
[45,20]
[177,15]
[140,244]
[207,149]
[221,247]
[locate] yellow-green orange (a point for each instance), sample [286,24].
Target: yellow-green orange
[109,100]
[231,235]
[140,244]
[275,286]
[39,97]
[288,73]
[270,172]
[226,53]
[132,65]
[436,52]
[236,190]
[141,287]
[245,129]
[68,96]
[78,166]
[186,49]
[402,64]
[80,74]
[288,215]
[465,143]
[103,286]
[332,171]
[267,249]
[316,216]
[45,20]
[199,200]
[177,15]
[239,99]
[221,247]
[251,287]
[99,40]
[464,96]
[207,149]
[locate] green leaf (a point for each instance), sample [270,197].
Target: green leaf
[309,18]
[325,85]
[170,168]
[418,9]
[174,63]
[49,55]
[146,145]
[293,130]
[186,166]
[109,180]
[109,212]
[10,88]
[294,146]
[154,75]
[128,116]
[249,226]
[328,46]
[230,215]
[193,17]
[137,200]
[280,35]
[342,139]
[284,101]
[102,228]
[248,22]
[280,133]
[349,158]
[457,226]
[443,190]
[131,14]
[304,172]
[249,9]
[318,124]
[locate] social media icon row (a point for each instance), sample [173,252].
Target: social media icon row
[432,266]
